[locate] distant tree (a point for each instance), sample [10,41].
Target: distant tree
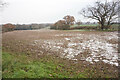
[61,24]
[69,20]
[64,24]
[78,22]
[8,27]
[2,3]
[105,13]
[88,22]
[53,26]
[94,22]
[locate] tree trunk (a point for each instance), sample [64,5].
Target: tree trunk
[102,26]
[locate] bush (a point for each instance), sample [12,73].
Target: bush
[64,24]
[8,27]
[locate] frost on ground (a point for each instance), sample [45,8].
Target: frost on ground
[99,47]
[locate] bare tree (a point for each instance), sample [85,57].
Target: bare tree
[2,3]
[105,13]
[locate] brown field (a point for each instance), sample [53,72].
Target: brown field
[87,49]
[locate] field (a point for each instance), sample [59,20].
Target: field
[85,25]
[93,26]
[60,54]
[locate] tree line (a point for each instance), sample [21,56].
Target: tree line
[10,27]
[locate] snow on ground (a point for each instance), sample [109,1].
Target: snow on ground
[98,46]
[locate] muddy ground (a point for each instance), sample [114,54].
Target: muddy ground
[83,48]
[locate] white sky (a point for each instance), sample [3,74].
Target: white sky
[42,11]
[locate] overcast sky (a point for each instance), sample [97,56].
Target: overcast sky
[42,11]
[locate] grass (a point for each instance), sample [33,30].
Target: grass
[82,25]
[113,27]
[21,66]
[93,25]
[78,30]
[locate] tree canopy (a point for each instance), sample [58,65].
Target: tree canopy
[65,23]
[105,13]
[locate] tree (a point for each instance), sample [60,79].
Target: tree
[61,24]
[87,22]
[78,22]
[69,20]
[105,13]
[2,3]
[8,27]
[64,24]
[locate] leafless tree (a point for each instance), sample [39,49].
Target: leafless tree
[104,12]
[2,3]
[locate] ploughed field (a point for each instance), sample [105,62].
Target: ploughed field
[86,49]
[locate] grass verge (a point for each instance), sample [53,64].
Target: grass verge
[22,66]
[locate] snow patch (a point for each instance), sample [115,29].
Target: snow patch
[67,39]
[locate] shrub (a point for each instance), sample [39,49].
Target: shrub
[8,27]
[64,24]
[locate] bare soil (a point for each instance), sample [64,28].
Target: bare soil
[84,49]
